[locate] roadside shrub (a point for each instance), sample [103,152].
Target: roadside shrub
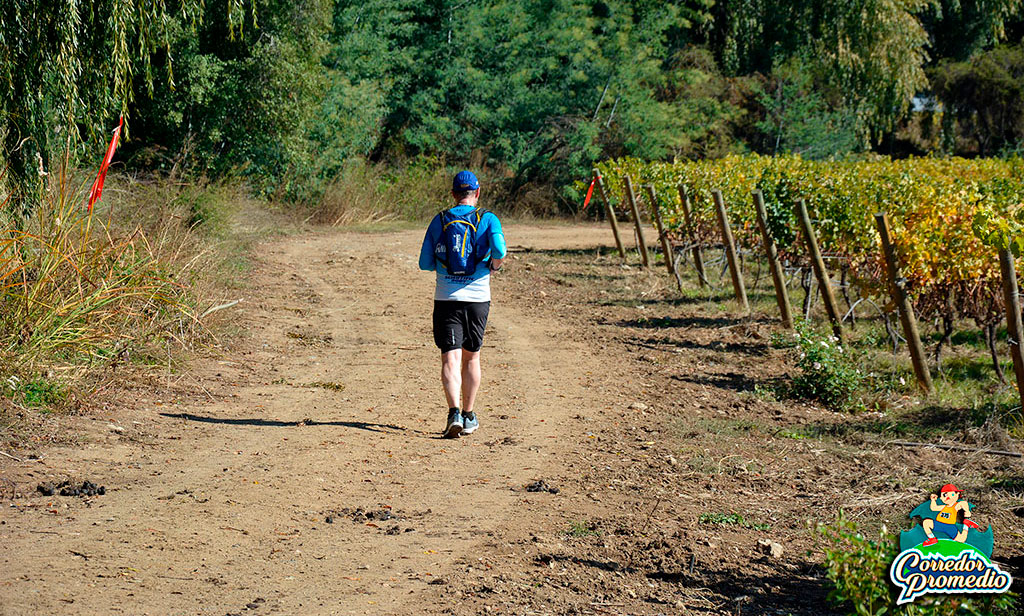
[80,289]
[827,372]
[367,193]
[42,393]
[857,569]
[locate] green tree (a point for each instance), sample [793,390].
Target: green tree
[67,70]
[871,52]
[985,98]
[874,53]
[960,29]
[246,105]
[528,86]
[799,120]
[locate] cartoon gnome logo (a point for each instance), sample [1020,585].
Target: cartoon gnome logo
[947,553]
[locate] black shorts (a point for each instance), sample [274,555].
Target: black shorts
[460,325]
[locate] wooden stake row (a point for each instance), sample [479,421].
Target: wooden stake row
[903,304]
[1011,296]
[778,279]
[908,320]
[906,310]
[642,244]
[638,224]
[1011,293]
[611,212]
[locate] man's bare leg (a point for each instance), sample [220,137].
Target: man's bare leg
[451,376]
[470,379]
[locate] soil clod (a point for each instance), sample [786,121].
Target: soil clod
[67,488]
[770,548]
[541,486]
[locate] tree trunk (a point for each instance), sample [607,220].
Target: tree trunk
[990,338]
[844,287]
[947,330]
[892,333]
[805,284]
[947,333]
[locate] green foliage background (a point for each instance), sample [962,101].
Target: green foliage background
[283,93]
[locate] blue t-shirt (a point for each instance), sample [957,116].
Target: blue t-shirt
[477,286]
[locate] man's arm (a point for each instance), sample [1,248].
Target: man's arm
[427,260]
[497,237]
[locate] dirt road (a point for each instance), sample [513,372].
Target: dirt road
[247,481]
[299,470]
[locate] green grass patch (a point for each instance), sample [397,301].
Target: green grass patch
[43,393]
[731,519]
[581,528]
[1008,484]
[39,393]
[328,385]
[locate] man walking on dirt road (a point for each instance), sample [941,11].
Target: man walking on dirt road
[463,244]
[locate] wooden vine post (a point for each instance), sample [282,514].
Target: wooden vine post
[1013,319]
[641,244]
[730,252]
[778,279]
[611,213]
[818,264]
[691,234]
[666,248]
[906,310]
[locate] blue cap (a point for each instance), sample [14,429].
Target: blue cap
[465,180]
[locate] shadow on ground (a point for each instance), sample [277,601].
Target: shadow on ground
[275,423]
[783,591]
[668,344]
[729,380]
[680,322]
[926,421]
[715,296]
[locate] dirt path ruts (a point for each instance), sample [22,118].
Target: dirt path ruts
[222,482]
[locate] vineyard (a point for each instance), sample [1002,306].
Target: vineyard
[949,217]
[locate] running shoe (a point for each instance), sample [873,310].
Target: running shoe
[930,541]
[454,428]
[469,423]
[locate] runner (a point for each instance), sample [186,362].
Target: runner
[463,244]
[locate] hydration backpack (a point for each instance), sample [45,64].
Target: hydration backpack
[458,248]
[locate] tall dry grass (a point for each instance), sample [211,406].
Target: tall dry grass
[81,293]
[366,193]
[414,190]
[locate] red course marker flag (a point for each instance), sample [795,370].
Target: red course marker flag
[590,193]
[97,185]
